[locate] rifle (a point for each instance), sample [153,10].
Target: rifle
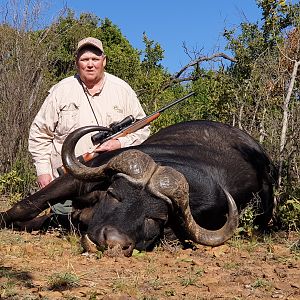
[126,126]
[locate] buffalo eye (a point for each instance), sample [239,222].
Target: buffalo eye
[150,222]
[112,193]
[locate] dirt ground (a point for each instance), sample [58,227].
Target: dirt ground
[52,266]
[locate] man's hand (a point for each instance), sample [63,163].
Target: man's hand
[108,146]
[44,180]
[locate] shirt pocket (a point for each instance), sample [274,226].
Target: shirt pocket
[68,119]
[115,116]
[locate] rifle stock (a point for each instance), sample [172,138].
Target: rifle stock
[139,124]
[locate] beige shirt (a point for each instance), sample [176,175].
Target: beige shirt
[67,108]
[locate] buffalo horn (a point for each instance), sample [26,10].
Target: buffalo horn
[71,163]
[169,183]
[133,164]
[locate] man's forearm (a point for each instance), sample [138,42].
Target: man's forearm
[135,138]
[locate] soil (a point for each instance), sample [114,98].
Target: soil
[52,266]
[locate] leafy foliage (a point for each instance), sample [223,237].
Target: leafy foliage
[14,184]
[289,215]
[248,93]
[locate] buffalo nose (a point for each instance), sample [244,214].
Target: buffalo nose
[113,238]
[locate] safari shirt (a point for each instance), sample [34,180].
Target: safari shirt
[67,108]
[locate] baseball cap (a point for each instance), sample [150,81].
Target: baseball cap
[90,41]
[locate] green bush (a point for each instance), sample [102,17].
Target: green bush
[18,182]
[10,182]
[246,221]
[288,215]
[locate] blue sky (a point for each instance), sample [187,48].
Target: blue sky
[197,23]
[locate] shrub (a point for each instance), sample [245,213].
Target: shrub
[17,183]
[288,215]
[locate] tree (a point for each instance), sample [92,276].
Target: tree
[23,63]
[265,80]
[290,63]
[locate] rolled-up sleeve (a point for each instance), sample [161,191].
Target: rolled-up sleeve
[41,135]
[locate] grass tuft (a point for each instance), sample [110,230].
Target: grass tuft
[62,281]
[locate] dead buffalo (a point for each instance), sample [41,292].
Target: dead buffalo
[192,178]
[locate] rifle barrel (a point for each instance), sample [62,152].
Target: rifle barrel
[176,101]
[144,121]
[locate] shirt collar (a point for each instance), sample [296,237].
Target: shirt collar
[103,80]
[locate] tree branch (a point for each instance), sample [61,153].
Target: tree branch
[176,78]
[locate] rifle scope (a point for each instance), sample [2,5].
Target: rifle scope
[113,128]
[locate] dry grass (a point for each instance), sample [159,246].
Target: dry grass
[49,266]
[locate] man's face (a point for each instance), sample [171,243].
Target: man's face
[90,65]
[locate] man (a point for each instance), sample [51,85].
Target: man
[91,97]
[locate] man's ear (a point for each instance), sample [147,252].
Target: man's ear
[76,63]
[104,61]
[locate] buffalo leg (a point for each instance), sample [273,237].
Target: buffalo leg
[62,188]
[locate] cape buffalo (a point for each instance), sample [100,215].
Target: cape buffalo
[193,178]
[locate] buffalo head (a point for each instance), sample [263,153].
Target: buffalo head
[133,211]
